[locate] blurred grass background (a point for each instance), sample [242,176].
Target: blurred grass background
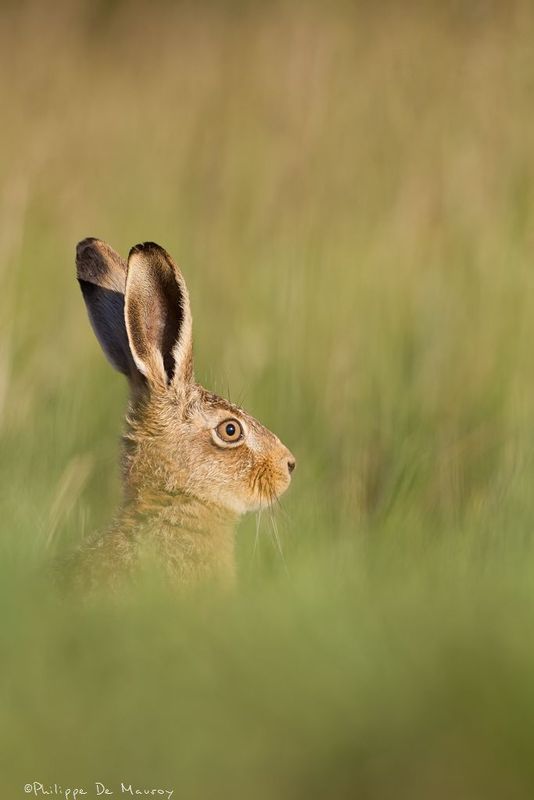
[349,190]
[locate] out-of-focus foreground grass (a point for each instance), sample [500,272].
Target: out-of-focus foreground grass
[350,193]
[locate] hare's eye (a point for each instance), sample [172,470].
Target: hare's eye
[230,431]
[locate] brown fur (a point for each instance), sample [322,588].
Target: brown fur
[184,487]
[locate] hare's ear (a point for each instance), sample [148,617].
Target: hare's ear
[101,273]
[158,316]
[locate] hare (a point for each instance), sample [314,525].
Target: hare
[192,462]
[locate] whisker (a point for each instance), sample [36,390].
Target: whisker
[257,481]
[257,537]
[283,511]
[276,537]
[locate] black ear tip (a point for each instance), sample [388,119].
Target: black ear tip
[146,248]
[95,260]
[86,244]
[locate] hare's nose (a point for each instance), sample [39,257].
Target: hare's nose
[288,460]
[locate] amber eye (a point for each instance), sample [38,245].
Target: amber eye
[230,431]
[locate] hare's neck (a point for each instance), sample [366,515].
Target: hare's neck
[192,538]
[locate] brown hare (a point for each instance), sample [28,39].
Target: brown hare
[192,462]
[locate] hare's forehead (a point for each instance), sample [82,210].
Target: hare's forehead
[214,413]
[212,410]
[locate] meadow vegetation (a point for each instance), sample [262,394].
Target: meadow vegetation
[349,190]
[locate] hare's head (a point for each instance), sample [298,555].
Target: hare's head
[194,442]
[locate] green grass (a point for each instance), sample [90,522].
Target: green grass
[350,194]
